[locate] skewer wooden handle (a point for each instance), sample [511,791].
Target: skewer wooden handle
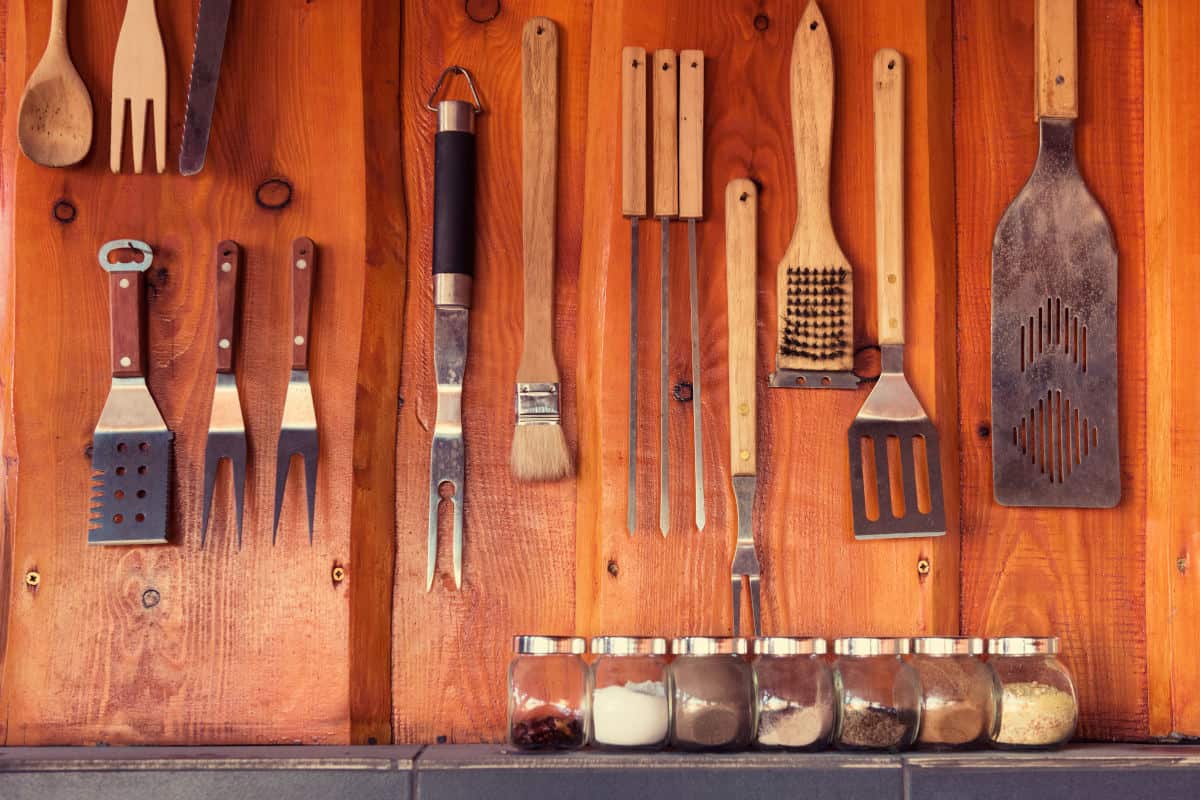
[741,268]
[691,134]
[304,262]
[889,194]
[539,171]
[633,131]
[229,263]
[666,134]
[1057,68]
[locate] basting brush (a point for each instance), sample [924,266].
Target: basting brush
[539,448]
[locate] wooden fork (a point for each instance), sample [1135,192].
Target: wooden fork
[139,77]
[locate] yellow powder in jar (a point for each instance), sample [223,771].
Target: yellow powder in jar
[1035,714]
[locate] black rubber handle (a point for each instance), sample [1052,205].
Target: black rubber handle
[454,203]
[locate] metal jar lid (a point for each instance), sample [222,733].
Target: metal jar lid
[709,646]
[629,646]
[789,646]
[1023,645]
[549,645]
[870,646]
[947,646]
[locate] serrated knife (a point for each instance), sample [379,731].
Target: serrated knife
[202,89]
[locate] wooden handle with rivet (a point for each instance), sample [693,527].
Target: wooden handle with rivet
[691,134]
[666,134]
[741,269]
[304,261]
[229,263]
[889,194]
[1057,68]
[633,131]
[125,318]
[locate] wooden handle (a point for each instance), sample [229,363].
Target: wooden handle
[1057,69]
[666,134]
[539,170]
[741,269]
[889,195]
[812,124]
[304,262]
[58,23]
[691,134]
[125,319]
[229,264]
[633,131]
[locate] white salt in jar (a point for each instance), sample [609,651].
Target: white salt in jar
[630,693]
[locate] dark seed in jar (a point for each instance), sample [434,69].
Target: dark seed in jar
[548,731]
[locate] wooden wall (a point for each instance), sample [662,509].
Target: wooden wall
[261,644]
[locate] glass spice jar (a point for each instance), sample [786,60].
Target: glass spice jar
[630,699]
[712,694]
[1038,705]
[880,694]
[797,704]
[959,693]
[547,693]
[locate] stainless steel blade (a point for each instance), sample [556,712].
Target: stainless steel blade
[226,440]
[1055,432]
[745,558]
[448,457]
[131,462]
[631,496]
[297,436]
[697,409]
[202,88]
[664,438]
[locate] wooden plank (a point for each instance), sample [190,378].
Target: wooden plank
[1173,430]
[817,579]
[1078,574]
[173,644]
[451,648]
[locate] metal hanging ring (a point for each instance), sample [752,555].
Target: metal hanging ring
[437,87]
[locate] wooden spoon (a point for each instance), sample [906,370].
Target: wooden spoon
[54,123]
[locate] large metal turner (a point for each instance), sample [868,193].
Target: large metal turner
[1054,311]
[131,446]
[895,469]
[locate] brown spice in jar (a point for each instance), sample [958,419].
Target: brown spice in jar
[954,712]
[874,727]
[548,729]
[713,702]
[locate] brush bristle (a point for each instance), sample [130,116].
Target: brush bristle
[539,453]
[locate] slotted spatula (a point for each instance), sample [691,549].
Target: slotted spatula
[895,469]
[131,446]
[1054,310]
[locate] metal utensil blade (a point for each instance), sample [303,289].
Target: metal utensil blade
[131,464]
[297,436]
[745,558]
[1055,433]
[631,495]
[211,24]
[664,437]
[697,415]
[226,440]
[447,457]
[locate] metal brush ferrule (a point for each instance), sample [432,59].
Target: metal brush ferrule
[537,404]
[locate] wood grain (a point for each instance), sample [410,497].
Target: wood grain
[691,134]
[741,293]
[1075,573]
[228,268]
[634,86]
[664,99]
[889,194]
[139,83]
[125,322]
[1057,71]
[1172,115]
[178,645]
[302,269]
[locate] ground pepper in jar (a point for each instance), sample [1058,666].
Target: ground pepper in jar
[873,727]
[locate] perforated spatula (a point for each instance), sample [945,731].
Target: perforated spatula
[895,469]
[131,446]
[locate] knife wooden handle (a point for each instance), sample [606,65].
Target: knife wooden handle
[229,265]
[889,194]
[691,134]
[539,173]
[1057,69]
[125,319]
[304,262]
[633,131]
[741,269]
[812,130]
[666,134]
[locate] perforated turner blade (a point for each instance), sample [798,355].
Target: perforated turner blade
[814,284]
[226,427]
[905,493]
[1055,426]
[298,432]
[131,446]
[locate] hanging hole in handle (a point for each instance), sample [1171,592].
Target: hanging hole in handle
[892,64]
[540,30]
[743,197]
[813,25]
